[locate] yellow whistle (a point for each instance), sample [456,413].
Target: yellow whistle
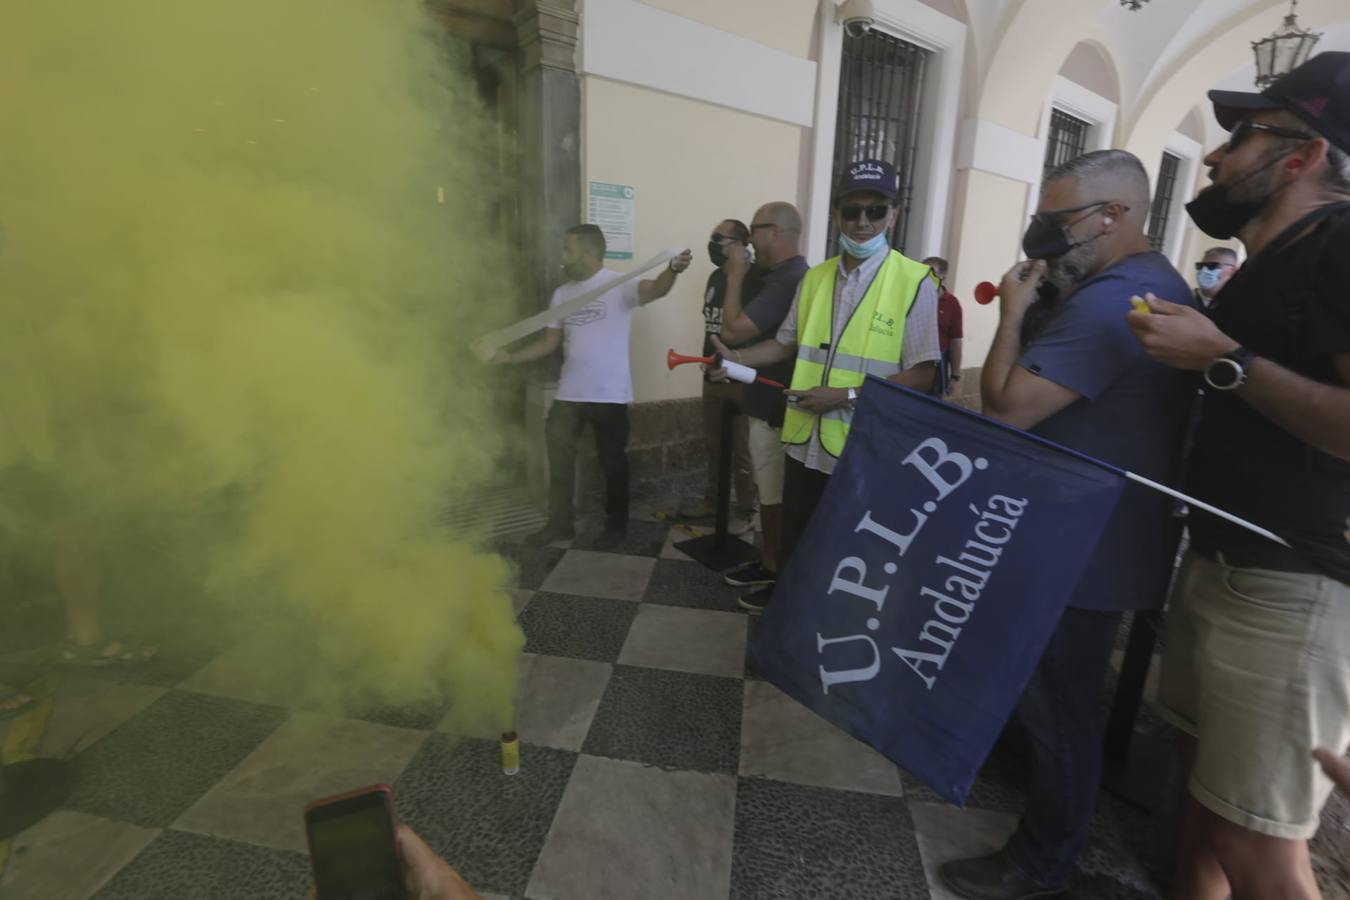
[1140,305]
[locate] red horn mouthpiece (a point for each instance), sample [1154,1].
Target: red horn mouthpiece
[985,292]
[674,359]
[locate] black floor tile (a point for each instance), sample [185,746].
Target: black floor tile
[678,582]
[490,826]
[641,539]
[164,758]
[423,716]
[672,719]
[807,842]
[578,627]
[178,865]
[531,564]
[991,791]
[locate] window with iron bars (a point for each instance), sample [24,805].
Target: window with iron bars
[881,83]
[1067,139]
[1161,209]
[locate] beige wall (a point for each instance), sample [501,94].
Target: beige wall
[786,25]
[691,165]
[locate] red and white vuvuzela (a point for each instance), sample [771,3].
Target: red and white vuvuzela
[735,371]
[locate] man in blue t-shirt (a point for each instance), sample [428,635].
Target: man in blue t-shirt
[1066,367]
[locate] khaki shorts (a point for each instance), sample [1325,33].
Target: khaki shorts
[1257,668]
[767,454]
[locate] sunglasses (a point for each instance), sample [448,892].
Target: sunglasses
[1052,218]
[1245,128]
[1212,266]
[722,238]
[875,211]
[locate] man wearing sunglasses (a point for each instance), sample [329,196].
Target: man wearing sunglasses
[868,311]
[1256,669]
[726,246]
[1064,366]
[1212,273]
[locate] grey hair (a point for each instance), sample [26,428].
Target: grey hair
[1120,168]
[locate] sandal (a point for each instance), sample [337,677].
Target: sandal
[105,654]
[13,701]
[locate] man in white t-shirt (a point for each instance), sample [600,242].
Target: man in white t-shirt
[595,385]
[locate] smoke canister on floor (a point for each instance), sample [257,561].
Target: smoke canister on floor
[510,753]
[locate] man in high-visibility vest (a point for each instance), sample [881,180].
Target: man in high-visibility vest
[868,311]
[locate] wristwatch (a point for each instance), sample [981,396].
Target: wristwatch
[1229,372]
[852,397]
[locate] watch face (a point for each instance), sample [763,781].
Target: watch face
[1223,374]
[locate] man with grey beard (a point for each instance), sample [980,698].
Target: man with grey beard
[1066,367]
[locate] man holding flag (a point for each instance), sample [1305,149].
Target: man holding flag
[870,310]
[1257,663]
[1066,368]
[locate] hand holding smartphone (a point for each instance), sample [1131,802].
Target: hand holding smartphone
[353,846]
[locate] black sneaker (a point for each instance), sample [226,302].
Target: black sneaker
[755,602]
[992,877]
[609,539]
[550,533]
[749,575]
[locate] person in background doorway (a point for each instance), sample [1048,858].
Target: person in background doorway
[1212,273]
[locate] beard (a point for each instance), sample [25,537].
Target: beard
[1066,272]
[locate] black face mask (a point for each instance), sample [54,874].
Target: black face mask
[1218,215]
[1044,240]
[716,254]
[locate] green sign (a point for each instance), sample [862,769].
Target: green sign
[611,207]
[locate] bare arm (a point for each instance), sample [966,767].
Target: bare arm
[737,327]
[540,347]
[1009,392]
[765,353]
[919,377]
[655,288]
[1315,413]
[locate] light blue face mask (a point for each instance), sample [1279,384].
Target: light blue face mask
[1208,279]
[864,250]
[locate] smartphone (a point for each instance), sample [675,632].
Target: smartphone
[352,846]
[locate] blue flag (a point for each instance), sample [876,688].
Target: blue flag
[930,578]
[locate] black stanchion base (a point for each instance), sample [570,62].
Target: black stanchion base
[733,552]
[1143,778]
[30,790]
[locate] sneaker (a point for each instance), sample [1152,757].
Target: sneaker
[756,601]
[751,575]
[992,877]
[609,539]
[550,533]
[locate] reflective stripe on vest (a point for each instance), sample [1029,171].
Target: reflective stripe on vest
[870,345]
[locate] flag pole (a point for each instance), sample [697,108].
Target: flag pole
[1214,510]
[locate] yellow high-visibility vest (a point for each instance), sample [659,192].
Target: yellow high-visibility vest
[870,344]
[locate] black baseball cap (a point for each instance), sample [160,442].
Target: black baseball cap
[873,175]
[1318,92]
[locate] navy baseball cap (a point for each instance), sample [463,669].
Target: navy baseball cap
[873,175]
[1318,92]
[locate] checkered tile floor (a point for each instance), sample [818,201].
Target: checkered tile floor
[654,766]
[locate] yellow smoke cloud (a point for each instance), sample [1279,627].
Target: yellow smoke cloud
[232,320]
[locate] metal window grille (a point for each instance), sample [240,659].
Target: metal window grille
[880,91]
[1067,139]
[1162,200]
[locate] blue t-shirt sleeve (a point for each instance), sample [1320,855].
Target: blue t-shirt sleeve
[1087,345]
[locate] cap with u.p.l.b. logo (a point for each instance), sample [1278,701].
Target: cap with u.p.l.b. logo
[868,175]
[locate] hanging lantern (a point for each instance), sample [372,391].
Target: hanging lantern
[1283,51]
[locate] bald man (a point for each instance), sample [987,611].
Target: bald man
[1212,273]
[1064,365]
[776,234]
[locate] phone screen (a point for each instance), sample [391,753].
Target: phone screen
[352,844]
